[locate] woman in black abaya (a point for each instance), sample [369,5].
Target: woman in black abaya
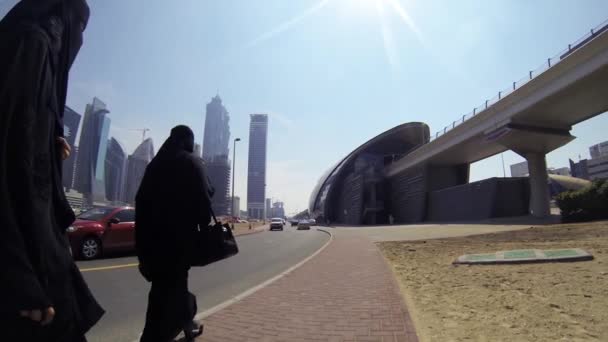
[172,201]
[42,293]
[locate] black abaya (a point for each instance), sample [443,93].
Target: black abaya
[39,40]
[172,201]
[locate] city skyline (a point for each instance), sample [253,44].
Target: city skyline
[342,72]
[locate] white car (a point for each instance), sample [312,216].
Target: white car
[303,225]
[276,223]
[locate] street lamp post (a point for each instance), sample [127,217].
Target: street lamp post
[233,172]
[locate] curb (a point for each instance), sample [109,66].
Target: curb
[247,293]
[406,303]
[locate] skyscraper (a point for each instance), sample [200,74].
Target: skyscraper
[71,121]
[256,174]
[197,150]
[90,175]
[268,208]
[215,154]
[218,170]
[217,130]
[116,161]
[236,208]
[136,166]
[278,209]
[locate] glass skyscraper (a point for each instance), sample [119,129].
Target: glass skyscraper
[136,166]
[92,149]
[71,121]
[256,174]
[115,169]
[217,130]
[215,154]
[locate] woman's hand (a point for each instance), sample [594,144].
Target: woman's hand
[64,147]
[43,316]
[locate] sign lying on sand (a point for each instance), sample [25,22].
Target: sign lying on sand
[521,256]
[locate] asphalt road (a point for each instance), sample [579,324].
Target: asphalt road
[118,286]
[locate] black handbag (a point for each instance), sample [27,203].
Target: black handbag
[213,243]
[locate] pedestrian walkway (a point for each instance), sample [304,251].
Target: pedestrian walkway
[346,293]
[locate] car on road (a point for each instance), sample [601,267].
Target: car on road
[276,224]
[312,222]
[102,229]
[294,222]
[303,225]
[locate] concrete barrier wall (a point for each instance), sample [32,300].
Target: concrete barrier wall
[408,196]
[494,197]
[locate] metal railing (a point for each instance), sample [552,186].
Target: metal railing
[548,64]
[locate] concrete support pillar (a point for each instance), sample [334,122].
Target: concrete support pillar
[539,189]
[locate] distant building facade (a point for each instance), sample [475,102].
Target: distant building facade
[599,150]
[598,168]
[580,169]
[71,122]
[215,153]
[562,171]
[116,162]
[90,173]
[136,166]
[594,168]
[218,171]
[278,209]
[236,206]
[256,173]
[217,130]
[198,150]
[268,209]
[520,169]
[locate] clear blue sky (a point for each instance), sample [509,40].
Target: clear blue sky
[331,74]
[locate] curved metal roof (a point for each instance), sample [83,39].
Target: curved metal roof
[398,140]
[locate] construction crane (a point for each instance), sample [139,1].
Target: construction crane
[143,132]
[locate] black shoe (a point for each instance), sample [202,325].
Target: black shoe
[193,330]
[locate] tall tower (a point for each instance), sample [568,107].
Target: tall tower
[71,121]
[136,167]
[90,165]
[217,130]
[256,174]
[215,154]
[116,162]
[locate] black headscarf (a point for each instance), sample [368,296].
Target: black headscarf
[64,20]
[180,139]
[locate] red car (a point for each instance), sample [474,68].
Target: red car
[102,229]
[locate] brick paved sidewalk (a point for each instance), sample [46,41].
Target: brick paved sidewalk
[345,293]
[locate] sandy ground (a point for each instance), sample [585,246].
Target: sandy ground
[243,228]
[532,302]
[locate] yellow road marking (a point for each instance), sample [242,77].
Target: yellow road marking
[107,267]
